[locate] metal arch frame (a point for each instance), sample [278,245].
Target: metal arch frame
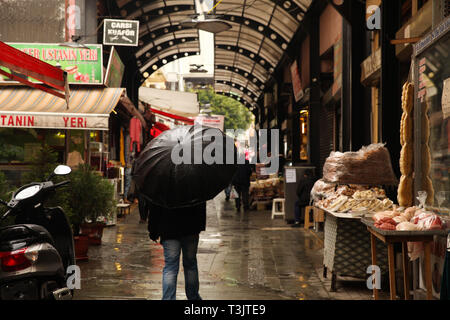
[232,19]
[242,73]
[157,33]
[243,95]
[255,26]
[243,100]
[132,5]
[238,99]
[237,86]
[238,79]
[257,58]
[162,52]
[163,46]
[293,10]
[268,73]
[235,82]
[168,58]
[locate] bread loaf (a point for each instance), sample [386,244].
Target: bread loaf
[405,191]
[409,98]
[427,185]
[408,130]
[406,159]
[402,128]
[426,159]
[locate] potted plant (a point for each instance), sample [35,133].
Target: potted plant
[91,199]
[42,164]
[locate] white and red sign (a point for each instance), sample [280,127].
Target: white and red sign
[296,82]
[214,121]
[51,120]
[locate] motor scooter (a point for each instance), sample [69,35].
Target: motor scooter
[36,251]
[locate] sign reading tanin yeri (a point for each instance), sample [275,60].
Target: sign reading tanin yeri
[83,65]
[120,32]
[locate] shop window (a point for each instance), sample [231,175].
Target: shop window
[304,128]
[18,145]
[435,76]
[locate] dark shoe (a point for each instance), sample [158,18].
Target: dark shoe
[296,225]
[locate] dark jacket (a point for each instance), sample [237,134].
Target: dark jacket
[242,176]
[304,190]
[175,223]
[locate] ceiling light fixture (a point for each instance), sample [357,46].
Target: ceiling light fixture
[206,22]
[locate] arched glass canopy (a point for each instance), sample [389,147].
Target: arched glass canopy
[245,55]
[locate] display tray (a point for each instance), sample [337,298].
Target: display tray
[371,223]
[348,215]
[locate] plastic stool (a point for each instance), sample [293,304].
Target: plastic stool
[275,211]
[309,210]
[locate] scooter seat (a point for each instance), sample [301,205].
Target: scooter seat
[21,235]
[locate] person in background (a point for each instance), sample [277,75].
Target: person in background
[133,194]
[228,192]
[178,231]
[303,193]
[241,182]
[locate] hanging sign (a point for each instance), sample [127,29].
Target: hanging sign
[52,120]
[296,82]
[114,71]
[118,32]
[214,121]
[83,65]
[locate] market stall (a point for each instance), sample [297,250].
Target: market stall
[352,187]
[415,229]
[263,189]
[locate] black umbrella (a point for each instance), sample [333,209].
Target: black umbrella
[176,170]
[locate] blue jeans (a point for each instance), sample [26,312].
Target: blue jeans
[172,249]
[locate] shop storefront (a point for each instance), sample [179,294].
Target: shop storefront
[31,118]
[432,134]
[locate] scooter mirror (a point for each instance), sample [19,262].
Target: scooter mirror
[62,170]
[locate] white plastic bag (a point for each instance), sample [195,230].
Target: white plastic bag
[234,194]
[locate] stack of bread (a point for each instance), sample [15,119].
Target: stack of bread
[371,165]
[363,200]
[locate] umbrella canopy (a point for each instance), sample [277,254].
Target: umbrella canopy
[185,166]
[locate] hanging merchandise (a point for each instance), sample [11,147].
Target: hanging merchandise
[406,185]
[135,133]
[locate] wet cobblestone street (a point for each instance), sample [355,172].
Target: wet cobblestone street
[241,256]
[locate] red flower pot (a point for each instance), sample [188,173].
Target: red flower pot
[81,243]
[94,231]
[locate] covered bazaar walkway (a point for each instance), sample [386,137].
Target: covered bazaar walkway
[246,256]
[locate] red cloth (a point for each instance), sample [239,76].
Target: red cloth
[135,133]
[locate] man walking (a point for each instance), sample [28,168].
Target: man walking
[178,231]
[303,193]
[241,182]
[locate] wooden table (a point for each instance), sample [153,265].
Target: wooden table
[390,237]
[347,247]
